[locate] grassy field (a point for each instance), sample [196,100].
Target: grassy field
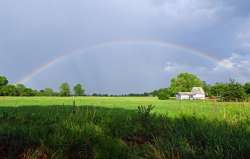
[171,107]
[115,128]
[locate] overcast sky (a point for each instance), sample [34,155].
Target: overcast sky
[32,33]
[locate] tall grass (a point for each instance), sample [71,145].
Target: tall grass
[116,133]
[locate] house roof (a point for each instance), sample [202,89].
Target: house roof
[195,90]
[185,93]
[198,90]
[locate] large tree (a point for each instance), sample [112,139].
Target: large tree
[184,82]
[65,89]
[3,81]
[78,90]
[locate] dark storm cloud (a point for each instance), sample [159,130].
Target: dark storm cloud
[34,32]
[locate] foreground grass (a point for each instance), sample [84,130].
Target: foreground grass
[115,133]
[114,128]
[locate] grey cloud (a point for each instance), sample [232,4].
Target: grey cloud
[34,32]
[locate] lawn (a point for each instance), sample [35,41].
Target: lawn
[115,128]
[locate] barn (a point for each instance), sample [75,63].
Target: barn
[197,93]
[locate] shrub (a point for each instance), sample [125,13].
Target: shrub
[164,94]
[234,92]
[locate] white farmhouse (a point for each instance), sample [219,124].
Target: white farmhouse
[196,93]
[183,95]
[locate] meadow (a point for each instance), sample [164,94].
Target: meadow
[122,127]
[172,108]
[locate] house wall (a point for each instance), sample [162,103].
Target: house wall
[182,97]
[186,97]
[199,96]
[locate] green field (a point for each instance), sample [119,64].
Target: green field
[115,128]
[171,107]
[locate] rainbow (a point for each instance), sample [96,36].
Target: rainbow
[52,62]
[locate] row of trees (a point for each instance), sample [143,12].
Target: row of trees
[7,89]
[230,91]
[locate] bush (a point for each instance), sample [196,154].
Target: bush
[164,94]
[234,92]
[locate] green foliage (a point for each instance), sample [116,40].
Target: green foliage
[8,90]
[145,94]
[47,92]
[231,91]
[163,94]
[78,90]
[247,88]
[234,92]
[29,92]
[184,82]
[65,89]
[144,111]
[218,89]
[207,88]
[24,91]
[20,89]
[3,81]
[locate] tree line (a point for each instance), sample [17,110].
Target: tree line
[184,82]
[229,91]
[7,89]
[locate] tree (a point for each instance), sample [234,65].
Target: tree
[8,90]
[234,92]
[3,81]
[65,89]
[94,94]
[20,89]
[78,90]
[184,82]
[207,88]
[218,89]
[47,92]
[247,88]
[164,94]
[24,91]
[29,92]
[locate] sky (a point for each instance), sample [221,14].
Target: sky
[122,46]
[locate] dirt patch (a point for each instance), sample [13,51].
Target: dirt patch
[38,153]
